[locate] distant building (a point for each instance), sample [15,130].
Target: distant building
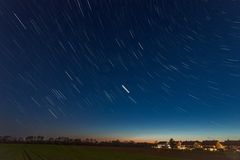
[62,139]
[191,145]
[50,139]
[179,145]
[8,139]
[20,139]
[212,145]
[77,141]
[40,138]
[34,139]
[232,145]
[162,145]
[29,139]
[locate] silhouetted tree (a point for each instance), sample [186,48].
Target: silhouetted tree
[172,143]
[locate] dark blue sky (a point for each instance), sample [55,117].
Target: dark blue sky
[135,69]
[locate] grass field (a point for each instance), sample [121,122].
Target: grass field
[61,152]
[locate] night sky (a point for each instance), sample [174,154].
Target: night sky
[128,69]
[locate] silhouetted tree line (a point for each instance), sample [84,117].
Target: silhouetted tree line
[71,141]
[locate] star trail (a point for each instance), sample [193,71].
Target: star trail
[136,69]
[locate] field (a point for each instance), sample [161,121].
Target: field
[61,152]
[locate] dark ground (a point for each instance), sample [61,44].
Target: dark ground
[65,152]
